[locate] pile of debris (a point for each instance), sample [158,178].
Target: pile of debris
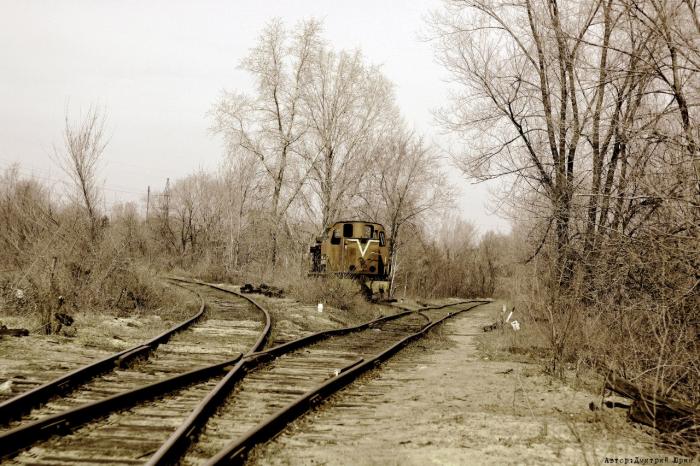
[267,290]
[668,416]
[13,332]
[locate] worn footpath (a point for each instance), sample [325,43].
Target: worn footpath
[442,401]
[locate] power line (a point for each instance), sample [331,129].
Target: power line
[111,188]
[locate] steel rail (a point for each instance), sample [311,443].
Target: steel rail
[24,436]
[442,306]
[24,402]
[178,442]
[171,451]
[236,451]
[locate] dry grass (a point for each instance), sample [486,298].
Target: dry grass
[529,344]
[342,294]
[646,337]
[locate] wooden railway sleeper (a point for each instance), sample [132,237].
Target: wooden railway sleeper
[178,442]
[275,423]
[17,406]
[24,436]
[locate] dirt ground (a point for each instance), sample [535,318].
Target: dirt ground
[444,401]
[292,319]
[26,362]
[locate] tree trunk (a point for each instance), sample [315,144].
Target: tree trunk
[275,215]
[662,413]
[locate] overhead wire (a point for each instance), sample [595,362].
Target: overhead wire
[31,172]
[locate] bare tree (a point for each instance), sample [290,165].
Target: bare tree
[346,104]
[242,192]
[609,68]
[84,144]
[26,213]
[591,109]
[517,64]
[268,124]
[403,184]
[197,214]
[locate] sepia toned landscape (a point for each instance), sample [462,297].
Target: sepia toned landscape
[450,232]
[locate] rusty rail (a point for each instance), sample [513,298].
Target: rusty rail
[178,442]
[22,437]
[20,404]
[236,451]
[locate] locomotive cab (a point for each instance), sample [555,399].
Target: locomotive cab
[357,249]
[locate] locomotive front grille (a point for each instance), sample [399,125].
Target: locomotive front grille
[354,248]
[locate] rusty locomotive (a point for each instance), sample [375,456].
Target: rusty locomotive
[354,249]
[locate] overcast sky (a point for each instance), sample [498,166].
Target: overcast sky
[158,66]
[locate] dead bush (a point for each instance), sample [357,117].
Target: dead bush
[340,293]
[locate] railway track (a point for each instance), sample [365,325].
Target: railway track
[35,371]
[283,389]
[208,419]
[214,337]
[56,384]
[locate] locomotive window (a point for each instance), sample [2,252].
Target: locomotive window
[368,231]
[381,238]
[347,230]
[335,239]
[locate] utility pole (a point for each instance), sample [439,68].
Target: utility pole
[148,201]
[167,199]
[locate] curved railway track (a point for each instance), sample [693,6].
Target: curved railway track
[199,418]
[281,390]
[213,339]
[20,404]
